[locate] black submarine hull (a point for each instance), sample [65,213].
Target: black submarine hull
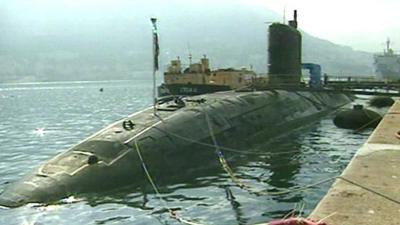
[171,143]
[190,89]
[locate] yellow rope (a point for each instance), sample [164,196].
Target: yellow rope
[172,213]
[368,123]
[147,172]
[222,159]
[223,147]
[230,172]
[244,186]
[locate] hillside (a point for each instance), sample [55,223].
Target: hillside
[102,44]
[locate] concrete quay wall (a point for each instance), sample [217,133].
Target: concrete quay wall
[368,190]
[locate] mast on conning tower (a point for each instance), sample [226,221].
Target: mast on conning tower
[284,15]
[387,45]
[190,53]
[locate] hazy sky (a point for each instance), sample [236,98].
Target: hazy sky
[361,24]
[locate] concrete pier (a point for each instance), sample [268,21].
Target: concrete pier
[368,191]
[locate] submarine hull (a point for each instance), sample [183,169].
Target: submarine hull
[175,141]
[190,89]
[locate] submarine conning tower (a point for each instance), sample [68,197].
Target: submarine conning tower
[284,53]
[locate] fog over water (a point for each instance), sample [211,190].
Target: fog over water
[47,40]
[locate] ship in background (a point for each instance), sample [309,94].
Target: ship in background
[387,65]
[198,78]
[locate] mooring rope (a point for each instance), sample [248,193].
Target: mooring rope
[235,179]
[230,172]
[228,149]
[244,152]
[370,190]
[225,165]
[221,157]
[250,189]
[242,185]
[366,124]
[172,213]
[314,102]
[148,176]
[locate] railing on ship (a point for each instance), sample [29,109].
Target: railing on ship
[355,84]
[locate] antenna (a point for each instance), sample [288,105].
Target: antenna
[190,54]
[284,14]
[387,44]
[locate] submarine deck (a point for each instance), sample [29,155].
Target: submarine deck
[144,120]
[368,189]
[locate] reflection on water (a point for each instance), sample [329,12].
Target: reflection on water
[43,119]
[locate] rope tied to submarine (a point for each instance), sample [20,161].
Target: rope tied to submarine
[228,169]
[239,183]
[227,149]
[221,156]
[299,188]
[172,213]
[225,165]
[317,104]
[367,124]
[373,120]
[250,189]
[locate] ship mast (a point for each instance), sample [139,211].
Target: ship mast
[387,45]
[156,52]
[284,14]
[190,54]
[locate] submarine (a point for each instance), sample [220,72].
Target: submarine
[178,133]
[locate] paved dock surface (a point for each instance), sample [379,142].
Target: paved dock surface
[369,193]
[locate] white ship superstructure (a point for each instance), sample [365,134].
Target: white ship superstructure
[387,65]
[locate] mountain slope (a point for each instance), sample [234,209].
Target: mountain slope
[58,43]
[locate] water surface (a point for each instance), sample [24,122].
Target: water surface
[39,120]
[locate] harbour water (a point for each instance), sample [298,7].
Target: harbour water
[39,120]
